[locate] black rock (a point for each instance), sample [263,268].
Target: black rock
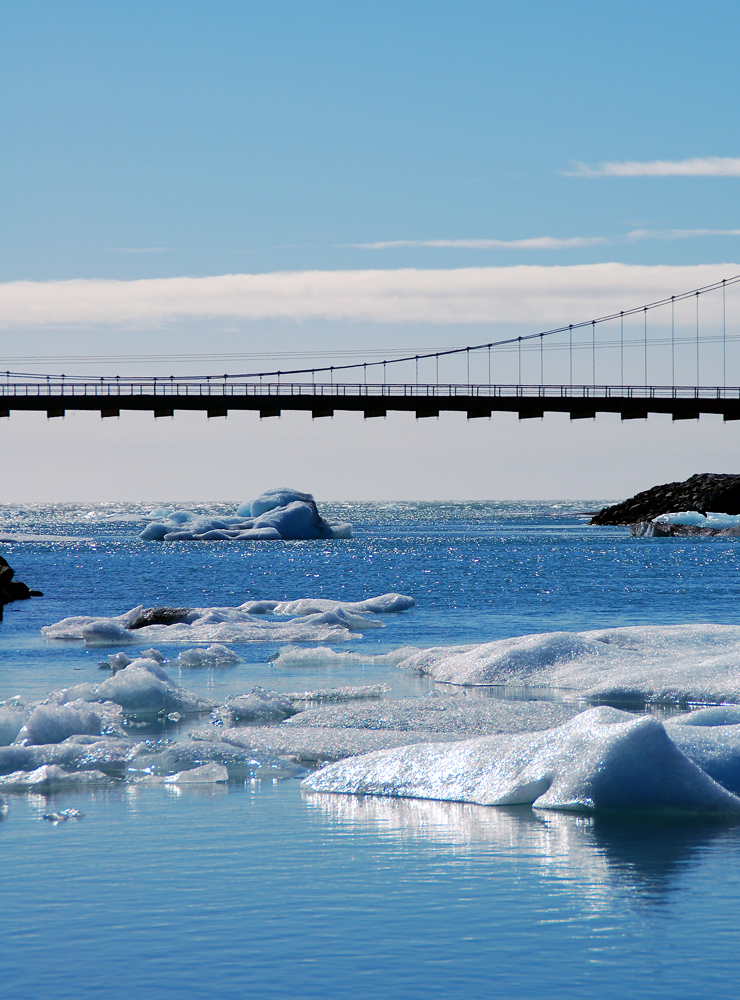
[163,616]
[10,589]
[706,491]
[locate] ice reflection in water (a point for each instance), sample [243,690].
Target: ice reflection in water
[596,855]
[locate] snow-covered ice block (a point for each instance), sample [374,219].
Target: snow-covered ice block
[49,777]
[144,688]
[694,518]
[647,663]
[717,715]
[76,626]
[323,656]
[440,714]
[278,514]
[271,499]
[258,706]
[339,694]
[108,754]
[603,759]
[214,656]
[384,604]
[11,720]
[311,745]
[241,763]
[54,723]
[205,774]
[331,621]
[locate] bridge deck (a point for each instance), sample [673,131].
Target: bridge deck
[163,397]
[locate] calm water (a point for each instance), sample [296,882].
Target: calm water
[264,890]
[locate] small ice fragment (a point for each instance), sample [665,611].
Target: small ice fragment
[205,774]
[216,655]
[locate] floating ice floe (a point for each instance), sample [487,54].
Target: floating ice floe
[313,621]
[675,664]
[322,656]
[214,656]
[601,760]
[49,777]
[206,774]
[441,714]
[280,514]
[695,519]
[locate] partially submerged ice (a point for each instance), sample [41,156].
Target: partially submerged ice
[280,514]
[601,760]
[308,620]
[658,664]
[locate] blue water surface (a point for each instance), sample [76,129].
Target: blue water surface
[265,890]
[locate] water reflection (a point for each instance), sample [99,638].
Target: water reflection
[597,854]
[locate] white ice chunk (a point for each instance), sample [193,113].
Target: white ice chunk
[259,706]
[49,777]
[384,604]
[214,656]
[693,518]
[54,723]
[205,774]
[648,663]
[11,720]
[144,688]
[317,621]
[323,656]
[443,714]
[717,715]
[74,627]
[271,499]
[279,514]
[602,759]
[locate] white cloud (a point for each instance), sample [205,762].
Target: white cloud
[139,250]
[533,243]
[678,234]
[549,242]
[698,166]
[525,293]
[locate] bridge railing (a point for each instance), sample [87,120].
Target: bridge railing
[218,388]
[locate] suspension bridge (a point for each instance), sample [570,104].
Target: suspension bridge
[667,356]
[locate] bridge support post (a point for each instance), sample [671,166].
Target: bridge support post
[164,411]
[109,413]
[54,412]
[217,411]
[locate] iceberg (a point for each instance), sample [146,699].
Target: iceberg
[280,514]
[673,664]
[309,620]
[601,760]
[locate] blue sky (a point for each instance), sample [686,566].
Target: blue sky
[159,140]
[256,137]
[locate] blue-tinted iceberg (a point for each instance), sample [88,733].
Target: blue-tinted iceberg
[278,514]
[602,760]
[677,664]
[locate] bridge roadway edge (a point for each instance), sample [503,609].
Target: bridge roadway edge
[216,405]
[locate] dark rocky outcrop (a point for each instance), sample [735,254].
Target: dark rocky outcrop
[163,616]
[10,589]
[706,491]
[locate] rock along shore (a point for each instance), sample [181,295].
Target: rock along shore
[706,491]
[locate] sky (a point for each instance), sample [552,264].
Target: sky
[186,185]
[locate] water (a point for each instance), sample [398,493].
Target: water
[265,889]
